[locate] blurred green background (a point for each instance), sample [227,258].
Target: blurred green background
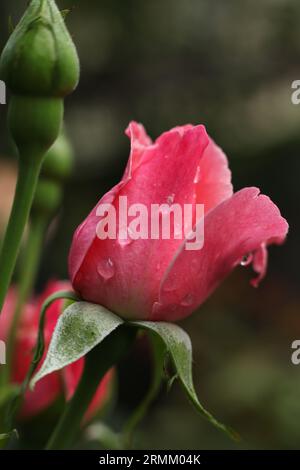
[227,64]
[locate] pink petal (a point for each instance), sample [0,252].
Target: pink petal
[139,143]
[214,184]
[260,264]
[46,391]
[243,224]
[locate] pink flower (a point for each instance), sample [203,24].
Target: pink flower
[157,280]
[57,383]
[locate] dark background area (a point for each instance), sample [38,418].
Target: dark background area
[229,65]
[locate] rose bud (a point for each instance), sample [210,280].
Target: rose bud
[40,58]
[63,382]
[161,279]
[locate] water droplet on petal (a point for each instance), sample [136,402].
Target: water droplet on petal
[187,301]
[106,269]
[247,259]
[197,175]
[126,241]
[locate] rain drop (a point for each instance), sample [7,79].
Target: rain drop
[125,242]
[197,175]
[187,301]
[106,269]
[247,259]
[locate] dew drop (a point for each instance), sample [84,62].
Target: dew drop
[106,269]
[197,175]
[247,259]
[187,301]
[126,241]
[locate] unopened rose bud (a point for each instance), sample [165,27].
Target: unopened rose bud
[58,162]
[47,198]
[56,168]
[40,58]
[40,67]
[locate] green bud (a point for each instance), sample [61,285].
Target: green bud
[59,159]
[47,198]
[40,58]
[34,126]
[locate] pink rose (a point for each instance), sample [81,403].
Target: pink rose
[159,279]
[52,386]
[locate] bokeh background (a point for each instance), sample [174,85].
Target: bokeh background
[230,65]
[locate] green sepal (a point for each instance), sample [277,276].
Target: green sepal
[80,328]
[179,347]
[83,326]
[34,124]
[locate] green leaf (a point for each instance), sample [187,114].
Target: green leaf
[80,328]
[179,347]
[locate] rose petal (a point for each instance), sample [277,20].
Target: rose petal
[214,184]
[238,226]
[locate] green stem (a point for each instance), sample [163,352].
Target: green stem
[29,170]
[97,363]
[159,352]
[30,264]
